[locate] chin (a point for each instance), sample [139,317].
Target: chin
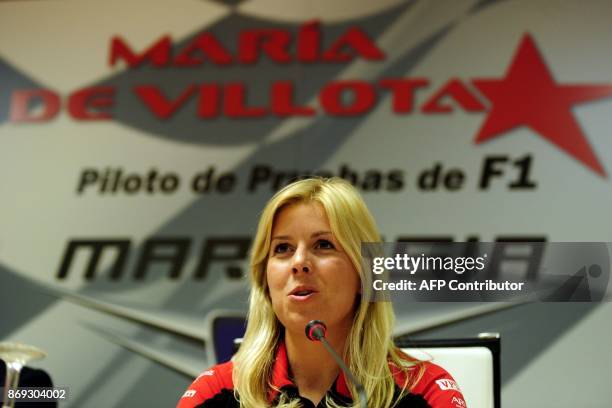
[297,323]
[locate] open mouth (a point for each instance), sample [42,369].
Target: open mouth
[302,293]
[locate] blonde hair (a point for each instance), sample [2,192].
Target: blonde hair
[369,349]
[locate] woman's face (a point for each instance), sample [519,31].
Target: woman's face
[308,273]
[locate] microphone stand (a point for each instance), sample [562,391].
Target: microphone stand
[315,330]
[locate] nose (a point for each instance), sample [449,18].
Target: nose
[301,261]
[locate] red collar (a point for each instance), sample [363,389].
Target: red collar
[282,379]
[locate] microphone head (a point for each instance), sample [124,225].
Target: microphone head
[315,330]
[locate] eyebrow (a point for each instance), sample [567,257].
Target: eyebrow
[314,234]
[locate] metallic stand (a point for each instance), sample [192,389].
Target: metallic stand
[16,355]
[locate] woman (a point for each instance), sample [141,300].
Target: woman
[306,265]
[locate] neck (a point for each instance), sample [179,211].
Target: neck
[314,369]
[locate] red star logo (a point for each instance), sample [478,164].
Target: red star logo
[529,96]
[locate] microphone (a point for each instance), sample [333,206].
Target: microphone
[315,331]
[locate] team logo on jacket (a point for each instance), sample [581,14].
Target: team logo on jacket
[189,394]
[446,385]
[459,403]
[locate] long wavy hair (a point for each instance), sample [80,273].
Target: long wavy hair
[369,350]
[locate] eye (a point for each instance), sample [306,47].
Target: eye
[281,248]
[325,244]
